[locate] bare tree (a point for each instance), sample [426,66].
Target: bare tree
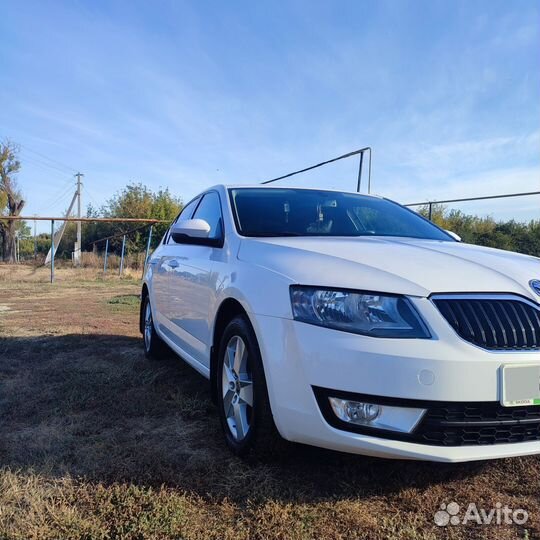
[11,202]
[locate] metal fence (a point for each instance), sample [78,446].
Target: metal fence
[430,204]
[124,236]
[151,222]
[360,152]
[147,223]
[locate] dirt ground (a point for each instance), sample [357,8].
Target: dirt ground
[98,442]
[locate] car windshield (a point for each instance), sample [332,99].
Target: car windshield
[305,212]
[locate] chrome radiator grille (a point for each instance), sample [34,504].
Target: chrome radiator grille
[497,322]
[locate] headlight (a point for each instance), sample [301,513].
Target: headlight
[370,314]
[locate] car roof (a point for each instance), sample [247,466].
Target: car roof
[263,186]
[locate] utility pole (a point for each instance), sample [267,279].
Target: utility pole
[60,233]
[78,245]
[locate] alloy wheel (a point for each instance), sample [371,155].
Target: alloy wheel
[148,326]
[237,388]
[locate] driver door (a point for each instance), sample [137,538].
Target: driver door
[192,283]
[163,266]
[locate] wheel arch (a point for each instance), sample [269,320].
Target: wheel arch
[144,294]
[228,310]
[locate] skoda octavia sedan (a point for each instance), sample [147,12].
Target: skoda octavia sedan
[348,322]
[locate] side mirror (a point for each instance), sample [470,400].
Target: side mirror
[190,230]
[454,235]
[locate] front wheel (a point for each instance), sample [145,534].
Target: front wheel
[244,407]
[154,347]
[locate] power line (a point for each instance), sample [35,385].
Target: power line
[70,169]
[44,163]
[85,189]
[45,166]
[59,195]
[60,202]
[64,186]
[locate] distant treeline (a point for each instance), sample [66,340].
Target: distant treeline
[134,201]
[485,231]
[137,200]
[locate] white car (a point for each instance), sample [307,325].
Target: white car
[348,322]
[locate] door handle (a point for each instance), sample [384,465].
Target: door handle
[173,263]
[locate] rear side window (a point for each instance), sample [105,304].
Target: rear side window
[210,210]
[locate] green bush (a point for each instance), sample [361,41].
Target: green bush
[485,231]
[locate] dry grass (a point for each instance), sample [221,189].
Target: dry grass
[64,272]
[133,261]
[89,259]
[98,442]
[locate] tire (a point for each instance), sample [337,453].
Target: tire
[154,347]
[242,395]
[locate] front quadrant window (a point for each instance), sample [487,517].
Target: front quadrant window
[209,209]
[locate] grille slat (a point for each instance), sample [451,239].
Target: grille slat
[504,323]
[520,335]
[475,322]
[511,332]
[536,315]
[500,330]
[464,323]
[486,320]
[528,319]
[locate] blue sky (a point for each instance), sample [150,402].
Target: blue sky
[188,94]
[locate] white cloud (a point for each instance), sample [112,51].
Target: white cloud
[443,160]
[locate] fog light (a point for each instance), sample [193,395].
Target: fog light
[361,412]
[387,417]
[355,412]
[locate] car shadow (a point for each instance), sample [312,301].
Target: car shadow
[92,406]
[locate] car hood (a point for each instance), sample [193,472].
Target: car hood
[409,266]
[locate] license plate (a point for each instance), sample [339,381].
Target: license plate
[520,385]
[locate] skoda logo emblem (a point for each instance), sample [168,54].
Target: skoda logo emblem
[535,285]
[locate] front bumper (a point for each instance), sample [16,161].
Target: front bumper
[298,357]
[444,423]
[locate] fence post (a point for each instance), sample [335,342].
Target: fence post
[122,258]
[35,241]
[360,172]
[430,210]
[106,253]
[147,251]
[52,250]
